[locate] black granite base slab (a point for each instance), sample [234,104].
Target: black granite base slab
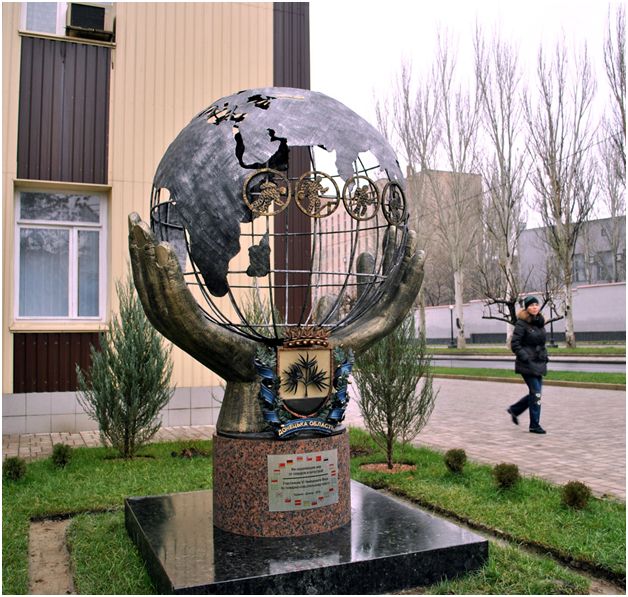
[388,546]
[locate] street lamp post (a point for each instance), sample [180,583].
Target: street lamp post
[451,319]
[552,344]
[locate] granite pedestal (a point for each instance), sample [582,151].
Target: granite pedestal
[387,546]
[242,493]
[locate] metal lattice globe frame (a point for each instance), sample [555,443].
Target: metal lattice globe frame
[338,297]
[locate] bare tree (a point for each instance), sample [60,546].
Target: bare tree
[504,167]
[435,124]
[437,283]
[563,174]
[504,295]
[612,148]
[615,61]
[458,210]
[613,199]
[410,120]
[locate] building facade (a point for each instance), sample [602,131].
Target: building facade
[599,257]
[93,95]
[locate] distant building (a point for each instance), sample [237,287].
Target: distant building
[600,255]
[431,190]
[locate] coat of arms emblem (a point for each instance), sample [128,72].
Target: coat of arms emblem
[304,383]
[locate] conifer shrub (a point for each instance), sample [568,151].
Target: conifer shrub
[13,468]
[455,460]
[506,475]
[61,455]
[394,378]
[129,380]
[576,495]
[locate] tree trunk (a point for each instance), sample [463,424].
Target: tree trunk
[458,290]
[389,450]
[510,291]
[422,322]
[570,335]
[509,330]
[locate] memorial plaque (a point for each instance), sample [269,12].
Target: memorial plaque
[302,481]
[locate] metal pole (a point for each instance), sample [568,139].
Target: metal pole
[552,344]
[451,319]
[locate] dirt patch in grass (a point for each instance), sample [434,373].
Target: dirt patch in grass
[382,467]
[191,453]
[48,559]
[358,451]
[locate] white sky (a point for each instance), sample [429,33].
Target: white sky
[357,47]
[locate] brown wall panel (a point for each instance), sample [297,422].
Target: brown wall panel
[291,63]
[291,55]
[46,362]
[64,111]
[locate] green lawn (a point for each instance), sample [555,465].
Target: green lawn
[93,480]
[531,513]
[510,571]
[105,560]
[581,350]
[575,376]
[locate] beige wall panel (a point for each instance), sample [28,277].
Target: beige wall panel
[171,61]
[10,86]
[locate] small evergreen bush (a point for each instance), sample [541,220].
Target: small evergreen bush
[455,460]
[506,475]
[576,495]
[394,378]
[13,468]
[61,454]
[129,381]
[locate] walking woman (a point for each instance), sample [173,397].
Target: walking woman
[528,344]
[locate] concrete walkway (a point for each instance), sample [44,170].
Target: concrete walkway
[585,441]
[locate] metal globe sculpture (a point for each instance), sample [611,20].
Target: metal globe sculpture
[230,167]
[253,244]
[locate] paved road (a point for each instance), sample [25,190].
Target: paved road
[585,441]
[586,432]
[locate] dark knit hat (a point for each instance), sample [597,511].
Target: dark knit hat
[530,300]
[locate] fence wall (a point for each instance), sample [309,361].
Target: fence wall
[599,314]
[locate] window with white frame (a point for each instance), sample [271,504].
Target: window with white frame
[60,255]
[44,17]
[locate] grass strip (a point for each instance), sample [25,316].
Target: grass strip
[588,350]
[94,480]
[104,559]
[530,513]
[573,376]
[510,571]
[100,545]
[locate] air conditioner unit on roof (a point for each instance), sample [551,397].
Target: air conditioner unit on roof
[90,21]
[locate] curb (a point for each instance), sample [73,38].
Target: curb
[546,382]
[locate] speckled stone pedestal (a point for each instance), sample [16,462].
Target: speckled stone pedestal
[389,546]
[241,488]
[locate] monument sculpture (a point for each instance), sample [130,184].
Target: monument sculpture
[275,274]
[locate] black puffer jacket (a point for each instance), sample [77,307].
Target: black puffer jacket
[528,343]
